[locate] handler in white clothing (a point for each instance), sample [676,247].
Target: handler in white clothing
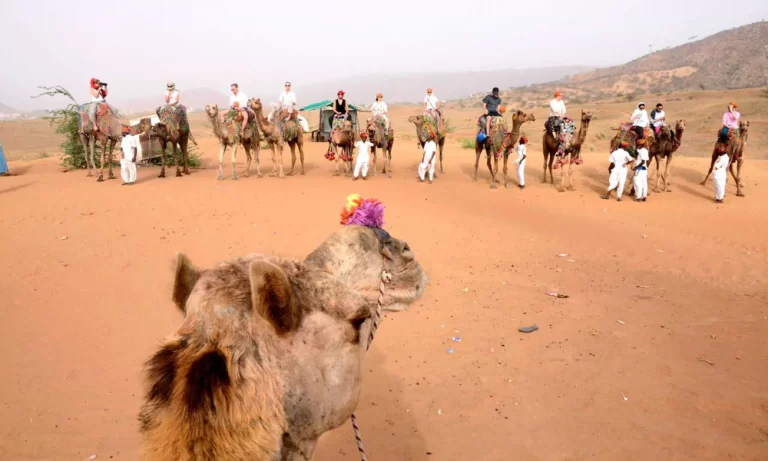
[128,149]
[641,172]
[619,159]
[520,161]
[720,176]
[428,162]
[363,147]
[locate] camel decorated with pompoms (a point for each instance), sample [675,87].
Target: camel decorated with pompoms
[109,132]
[735,150]
[626,132]
[174,129]
[272,136]
[383,139]
[664,145]
[425,124]
[344,138]
[229,135]
[499,142]
[571,152]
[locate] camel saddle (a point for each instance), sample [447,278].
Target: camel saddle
[85,119]
[237,116]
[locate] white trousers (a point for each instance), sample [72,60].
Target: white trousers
[641,184]
[427,165]
[128,170]
[521,172]
[361,166]
[719,187]
[617,180]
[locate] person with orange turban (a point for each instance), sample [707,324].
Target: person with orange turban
[619,159]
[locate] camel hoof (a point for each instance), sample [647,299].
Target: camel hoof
[389,175]
[703,183]
[259,175]
[303,174]
[179,175]
[89,175]
[507,186]
[290,173]
[220,177]
[161,175]
[337,174]
[186,172]
[111,177]
[740,194]
[560,189]
[234,177]
[474,179]
[571,188]
[667,190]
[494,186]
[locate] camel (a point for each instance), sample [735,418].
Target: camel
[626,132]
[571,154]
[273,137]
[293,134]
[735,151]
[109,132]
[229,136]
[382,139]
[664,146]
[270,353]
[505,140]
[344,138]
[424,125]
[174,129]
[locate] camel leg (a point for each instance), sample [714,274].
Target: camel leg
[300,144]
[103,161]
[274,147]
[183,144]
[163,146]
[256,153]
[711,165]
[506,176]
[442,143]
[111,143]
[387,161]
[667,171]
[234,161]
[222,149]
[176,158]
[84,142]
[247,148]
[92,149]
[280,173]
[737,177]
[293,157]
[658,173]
[490,169]
[546,157]
[570,175]
[337,158]
[375,160]
[478,151]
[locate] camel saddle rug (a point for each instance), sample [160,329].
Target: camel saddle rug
[498,138]
[175,117]
[85,120]
[429,126]
[338,123]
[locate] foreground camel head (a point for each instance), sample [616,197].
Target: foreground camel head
[743,127]
[255,104]
[586,116]
[270,353]
[416,119]
[521,117]
[680,125]
[212,110]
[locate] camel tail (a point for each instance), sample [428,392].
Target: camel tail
[192,138]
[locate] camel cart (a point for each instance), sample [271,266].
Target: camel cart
[325,122]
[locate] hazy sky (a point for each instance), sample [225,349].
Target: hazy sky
[137,46]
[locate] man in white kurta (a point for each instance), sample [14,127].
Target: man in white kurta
[640,180]
[720,176]
[428,162]
[620,158]
[520,161]
[363,147]
[128,149]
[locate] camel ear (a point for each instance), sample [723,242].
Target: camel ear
[272,296]
[184,281]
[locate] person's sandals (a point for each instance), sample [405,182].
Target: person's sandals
[604,197]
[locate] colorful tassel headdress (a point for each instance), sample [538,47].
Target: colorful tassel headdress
[361,211]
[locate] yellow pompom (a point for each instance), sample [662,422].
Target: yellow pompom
[351,199]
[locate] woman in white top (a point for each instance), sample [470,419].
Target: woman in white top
[379,108]
[171,94]
[432,105]
[640,120]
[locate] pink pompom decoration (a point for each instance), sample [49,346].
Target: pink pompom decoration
[369,213]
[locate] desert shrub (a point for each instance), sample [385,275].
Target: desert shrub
[448,127]
[66,119]
[600,136]
[764,93]
[193,152]
[44,155]
[467,143]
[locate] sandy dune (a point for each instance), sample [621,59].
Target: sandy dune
[658,353]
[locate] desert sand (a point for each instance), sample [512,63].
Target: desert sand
[658,353]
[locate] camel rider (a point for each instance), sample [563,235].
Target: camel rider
[491,105]
[287,100]
[730,121]
[556,113]
[379,109]
[339,112]
[432,106]
[658,118]
[640,120]
[171,95]
[96,99]
[238,101]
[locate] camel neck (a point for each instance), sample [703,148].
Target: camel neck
[216,122]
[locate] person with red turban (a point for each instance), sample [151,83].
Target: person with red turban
[619,159]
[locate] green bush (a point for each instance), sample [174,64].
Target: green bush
[467,143]
[66,119]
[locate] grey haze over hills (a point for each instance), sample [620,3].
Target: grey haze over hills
[397,88]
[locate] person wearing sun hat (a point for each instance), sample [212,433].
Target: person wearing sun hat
[171,94]
[432,106]
[363,147]
[619,159]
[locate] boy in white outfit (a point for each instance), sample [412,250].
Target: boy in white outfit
[428,162]
[520,161]
[363,147]
[619,159]
[641,172]
[720,176]
[128,158]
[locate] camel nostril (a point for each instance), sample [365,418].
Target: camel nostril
[406,247]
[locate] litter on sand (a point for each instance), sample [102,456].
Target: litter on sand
[563,255]
[529,329]
[556,295]
[450,350]
[706,361]
[571,260]
[620,321]
[456,339]
[625,397]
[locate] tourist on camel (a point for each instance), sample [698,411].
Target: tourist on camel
[640,120]
[491,105]
[658,118]
[556,113]
[172,95]
[432,106]
[379,109]
[730,121]
[287,101]
[340,112]
[98,91]
[238,101]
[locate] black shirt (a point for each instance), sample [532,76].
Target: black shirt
[492,103]
[341,108]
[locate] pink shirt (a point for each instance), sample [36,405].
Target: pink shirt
[731,119]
